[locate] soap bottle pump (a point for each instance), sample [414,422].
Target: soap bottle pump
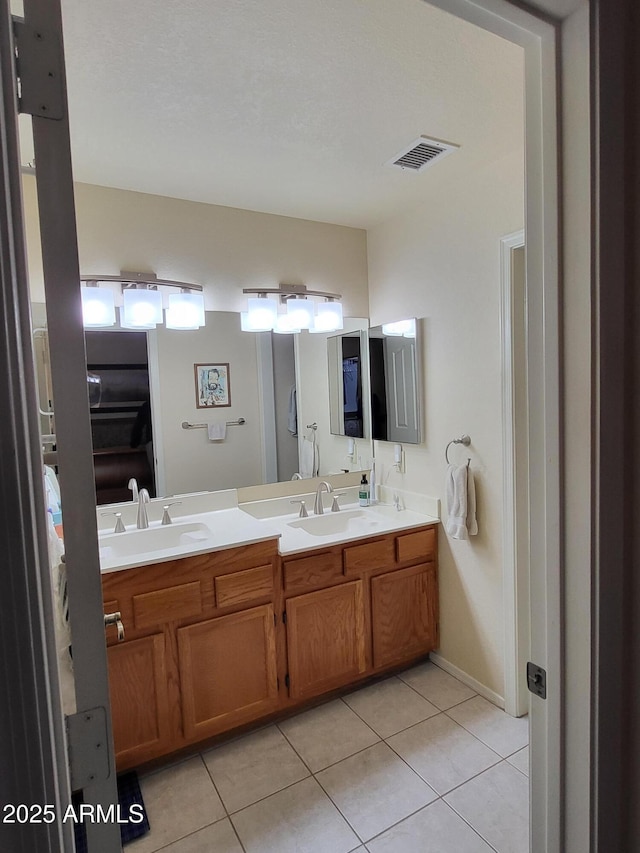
[363,492]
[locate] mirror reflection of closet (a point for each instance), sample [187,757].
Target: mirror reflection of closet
[347,400]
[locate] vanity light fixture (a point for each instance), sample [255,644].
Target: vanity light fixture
[185,311]
[142,302]
[302,309]
[98,306]
[142,307]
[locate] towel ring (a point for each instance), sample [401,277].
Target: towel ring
[465,439]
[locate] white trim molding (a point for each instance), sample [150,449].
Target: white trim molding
[467,679]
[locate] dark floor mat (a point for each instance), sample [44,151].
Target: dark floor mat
[129,794]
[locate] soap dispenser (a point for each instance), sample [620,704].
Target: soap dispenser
[363,492]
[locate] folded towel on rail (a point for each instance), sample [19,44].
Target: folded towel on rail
[461,502]
[217,432]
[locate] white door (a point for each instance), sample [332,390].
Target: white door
[42,87]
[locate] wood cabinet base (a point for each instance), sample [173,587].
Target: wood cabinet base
[220,641]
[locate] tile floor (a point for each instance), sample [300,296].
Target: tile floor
[417,763]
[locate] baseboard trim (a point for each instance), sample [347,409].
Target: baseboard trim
[467,679]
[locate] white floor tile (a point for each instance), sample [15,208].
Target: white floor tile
[520,760]
[327,734]
[390,706]
[300,819]
[375,789]
[496,804]
[179,801]
[503,733]
[442,752]
[436,685]
[434,829]
[219,837]
[253,767]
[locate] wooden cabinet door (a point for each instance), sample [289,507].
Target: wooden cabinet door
[228,672]
[325,637]
[404,614]
[139,705]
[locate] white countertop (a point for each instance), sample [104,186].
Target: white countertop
[206,532]
[216,530]
[357,522]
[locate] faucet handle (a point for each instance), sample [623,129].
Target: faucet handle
[303,509]
[335,506]
[119,528]
[166,518]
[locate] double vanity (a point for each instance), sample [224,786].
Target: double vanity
[234,612]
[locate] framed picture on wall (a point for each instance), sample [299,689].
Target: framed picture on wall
[213,386]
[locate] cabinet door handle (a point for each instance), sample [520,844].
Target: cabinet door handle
[115,619]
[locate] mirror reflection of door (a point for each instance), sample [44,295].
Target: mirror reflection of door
[121,428]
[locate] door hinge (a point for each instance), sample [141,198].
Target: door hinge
[537,680]
[286,680]
[88,747]
[39,69]
[284,617]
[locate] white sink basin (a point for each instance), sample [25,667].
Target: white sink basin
[356,521]
[133,542]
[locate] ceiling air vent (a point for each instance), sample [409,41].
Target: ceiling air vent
[422,153]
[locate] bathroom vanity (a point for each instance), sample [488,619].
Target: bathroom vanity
[217,640]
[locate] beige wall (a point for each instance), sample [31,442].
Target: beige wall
[441,261]
[222,248]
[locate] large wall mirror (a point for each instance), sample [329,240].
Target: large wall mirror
[278,386]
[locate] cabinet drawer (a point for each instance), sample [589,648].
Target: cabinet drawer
[314,571]
[167,605]
[244,586]
[370,555]
[417,546]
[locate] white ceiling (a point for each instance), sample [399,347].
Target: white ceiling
[286,106]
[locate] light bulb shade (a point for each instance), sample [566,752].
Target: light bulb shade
[185,311]
[261,314]
[328,317]
[301,312]
[98,307]
[401,327]
[142,308]
[284,325]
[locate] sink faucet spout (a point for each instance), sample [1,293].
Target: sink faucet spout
[142,522]
[318,508]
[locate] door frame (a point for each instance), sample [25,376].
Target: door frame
[515,544]
[539,36]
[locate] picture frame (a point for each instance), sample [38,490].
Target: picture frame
[213,385]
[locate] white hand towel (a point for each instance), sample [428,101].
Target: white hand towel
[292,415]
[457,501]
[307,459]
[217,432]
[472,524]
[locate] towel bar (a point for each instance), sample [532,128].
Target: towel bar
[465,439]
[187,425]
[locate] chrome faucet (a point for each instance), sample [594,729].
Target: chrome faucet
[318,507]
[142,522]
[133,485]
